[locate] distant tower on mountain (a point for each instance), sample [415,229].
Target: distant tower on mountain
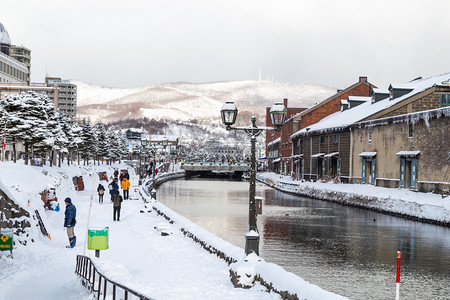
[259,75]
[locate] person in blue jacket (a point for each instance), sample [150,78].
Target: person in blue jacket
[69,222]
[113,187]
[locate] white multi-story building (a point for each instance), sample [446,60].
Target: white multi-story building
[14,68]
[64,95]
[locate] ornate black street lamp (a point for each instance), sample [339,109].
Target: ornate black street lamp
[153,165]
[144,143]
[278,116]
[165,142]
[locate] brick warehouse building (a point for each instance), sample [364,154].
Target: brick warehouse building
[287,159]
[384,141]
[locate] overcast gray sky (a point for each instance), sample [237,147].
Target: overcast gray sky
[141,42]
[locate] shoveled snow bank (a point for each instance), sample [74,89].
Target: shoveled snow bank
[426,206]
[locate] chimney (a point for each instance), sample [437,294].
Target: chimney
[285,102]
[362,78]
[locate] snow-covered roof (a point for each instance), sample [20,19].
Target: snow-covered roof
[444,83]
[332,154]
[274,142]
[367,154]
[401,86]
[359,98]
[408,153]
[159,138]
[138,130]
[343,119]
[276,160]
[4,36]
[317,155]
[362,80]
[380,91]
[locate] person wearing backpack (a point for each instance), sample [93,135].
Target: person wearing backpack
[101,192]
[117,203]
[113,186]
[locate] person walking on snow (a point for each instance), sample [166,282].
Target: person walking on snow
[69,222]
[117,203]
[121,177]
[101,192]
[126,187]
[113,186]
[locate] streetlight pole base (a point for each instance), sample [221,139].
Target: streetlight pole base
[252,243]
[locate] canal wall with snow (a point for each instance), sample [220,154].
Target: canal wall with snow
[424,207]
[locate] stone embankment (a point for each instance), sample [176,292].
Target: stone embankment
[427,208]
[150,183]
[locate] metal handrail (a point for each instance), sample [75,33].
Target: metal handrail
[96,282]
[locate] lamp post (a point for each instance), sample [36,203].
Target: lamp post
[153,165]
[278,116]
[143,144]
[165,142]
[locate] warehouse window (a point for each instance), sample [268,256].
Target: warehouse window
[445,99]
[336,138]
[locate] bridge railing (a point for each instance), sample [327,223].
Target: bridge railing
[100,285]
[217,163]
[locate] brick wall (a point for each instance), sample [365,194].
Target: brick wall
[332,106]
[328,146]
[427,102]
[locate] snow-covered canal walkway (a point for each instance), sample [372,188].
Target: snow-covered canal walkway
[162,267]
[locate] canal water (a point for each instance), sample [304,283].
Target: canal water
[345,250]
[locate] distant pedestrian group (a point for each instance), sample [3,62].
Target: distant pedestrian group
[113,187]
[116,199]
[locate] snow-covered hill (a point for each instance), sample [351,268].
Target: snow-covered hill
[192,101]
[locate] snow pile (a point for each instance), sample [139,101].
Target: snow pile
[275,278]
[427,206]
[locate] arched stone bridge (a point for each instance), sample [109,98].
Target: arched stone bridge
[211,169]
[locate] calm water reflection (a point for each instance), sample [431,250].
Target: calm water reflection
[345,250]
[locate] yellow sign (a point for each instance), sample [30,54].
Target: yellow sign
[4,238]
